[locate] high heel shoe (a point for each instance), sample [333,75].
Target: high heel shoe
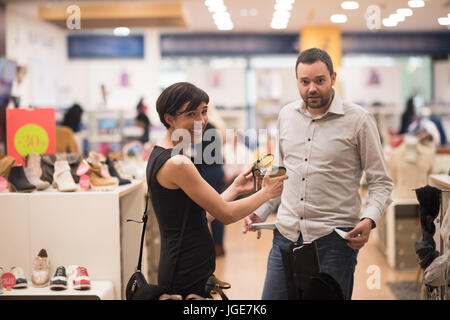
[18,182]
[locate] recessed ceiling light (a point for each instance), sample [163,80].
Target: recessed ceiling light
[389,23]
[283,6]
[397,17]
[338,18]
[444,21]
[121,31]
[416,3]
[406,12]
[349,5]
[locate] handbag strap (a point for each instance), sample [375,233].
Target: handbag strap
[144,221]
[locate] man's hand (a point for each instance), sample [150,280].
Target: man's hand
[362,233]
[252,218]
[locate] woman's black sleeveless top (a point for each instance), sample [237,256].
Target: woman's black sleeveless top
[196,260]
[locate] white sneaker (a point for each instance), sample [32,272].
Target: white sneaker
[21,281]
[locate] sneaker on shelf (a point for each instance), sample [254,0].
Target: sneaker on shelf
[41,268]
[21,281]
[79,278]
[59,279]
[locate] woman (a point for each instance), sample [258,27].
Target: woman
[176,188]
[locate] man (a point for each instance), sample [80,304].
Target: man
[325,144]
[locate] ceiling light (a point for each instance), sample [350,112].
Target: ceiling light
[406,12]
[213,2]
[389,23]
[444,21]
[338,18]
[282,14]
[416,3]
[285,1]
[121,31]
[217,8]
[283,6]
[397,17]
[350,5]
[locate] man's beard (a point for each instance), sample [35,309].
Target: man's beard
[322,102]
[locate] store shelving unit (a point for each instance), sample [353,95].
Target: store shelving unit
[76,228]
[100,290]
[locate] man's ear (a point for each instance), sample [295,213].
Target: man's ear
[169,119]
[333,78]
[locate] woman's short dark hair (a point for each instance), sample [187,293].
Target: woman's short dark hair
[174,97]
[313,55]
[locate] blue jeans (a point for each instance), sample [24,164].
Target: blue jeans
[335,256]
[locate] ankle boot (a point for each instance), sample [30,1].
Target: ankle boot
[31,175]
[113,172]
[6,163]
[33,160]
[18,182]
[62,178]
[99,182]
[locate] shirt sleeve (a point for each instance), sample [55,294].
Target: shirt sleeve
[373,163]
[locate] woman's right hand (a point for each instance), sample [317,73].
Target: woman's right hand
[273,186]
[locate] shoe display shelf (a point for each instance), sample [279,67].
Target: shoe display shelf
[100,290]
[76,228]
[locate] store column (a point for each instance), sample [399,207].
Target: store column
[327,38]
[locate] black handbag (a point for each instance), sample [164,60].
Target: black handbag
[304,279]
[137,287]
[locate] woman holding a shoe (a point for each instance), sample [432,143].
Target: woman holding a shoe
[184,202]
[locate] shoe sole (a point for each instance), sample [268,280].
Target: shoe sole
[55,185]
[81,286]
[12,188]
[20,286]
[58,287]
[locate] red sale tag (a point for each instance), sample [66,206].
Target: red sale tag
[83,168]
[8,280]
[3,184]
[85,182]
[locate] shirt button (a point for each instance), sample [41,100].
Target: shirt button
[314,121]
[301,199]
[301,218]
[306,159]
[309,139]
[303,179]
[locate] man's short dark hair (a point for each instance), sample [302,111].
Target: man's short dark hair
[313,55]
[174,97]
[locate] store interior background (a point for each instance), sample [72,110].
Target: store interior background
[247,79]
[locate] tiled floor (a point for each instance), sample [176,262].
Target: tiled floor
[244,266]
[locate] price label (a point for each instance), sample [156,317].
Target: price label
[3,184]
[83,168]
[8,280]
[31,138]
[85,182]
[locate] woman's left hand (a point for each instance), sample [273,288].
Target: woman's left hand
[244,182]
